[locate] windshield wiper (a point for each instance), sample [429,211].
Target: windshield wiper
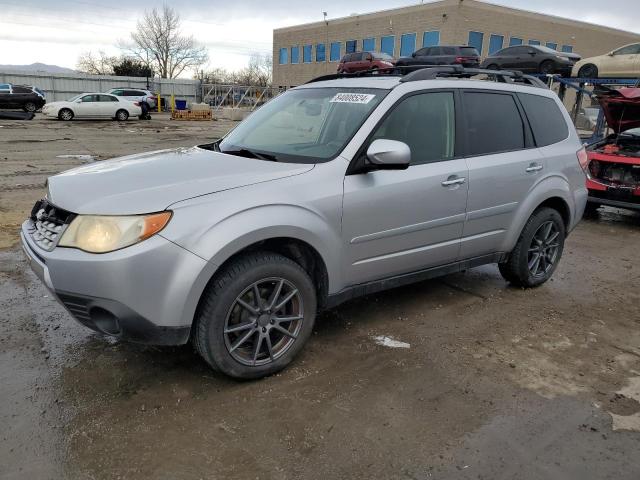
[245,152]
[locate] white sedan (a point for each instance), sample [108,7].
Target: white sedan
[93,105]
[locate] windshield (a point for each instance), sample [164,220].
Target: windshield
[547,49]
[73,99]
[309,125]
[470,51]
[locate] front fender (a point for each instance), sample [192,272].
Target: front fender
[553,186]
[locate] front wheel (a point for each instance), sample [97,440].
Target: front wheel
[65,114]
[255,316]
[547,67]
[29,107]
[538,251]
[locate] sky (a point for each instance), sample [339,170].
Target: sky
[58,31]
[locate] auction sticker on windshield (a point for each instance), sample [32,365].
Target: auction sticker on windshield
[352,98]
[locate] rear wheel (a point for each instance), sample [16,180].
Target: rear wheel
[30,107]
[538,251]
[122,115]
[588,71]
[65,114]
[255,316]
[547,67]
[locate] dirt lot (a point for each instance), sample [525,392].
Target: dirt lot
[497,382]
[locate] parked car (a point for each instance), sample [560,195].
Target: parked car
[442,55]
[614,162]
[332,190]
[136,95]
[23,97]
[361,61]
[620,63]
[93,105]
[532,59]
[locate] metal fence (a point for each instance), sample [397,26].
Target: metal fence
[62,86]
[237,96]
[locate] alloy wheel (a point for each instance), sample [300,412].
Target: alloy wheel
[543,252]
[264,321]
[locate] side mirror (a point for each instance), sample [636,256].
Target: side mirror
[413,54]
[388,155]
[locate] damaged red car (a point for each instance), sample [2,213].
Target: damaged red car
[613,173]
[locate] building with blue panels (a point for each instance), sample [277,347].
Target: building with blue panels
[303,52]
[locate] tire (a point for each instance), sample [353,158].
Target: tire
[518,269]
[65,114]
[588,71]
[122,115]
[30,107]
[229,301]
[547,67]
[493,66]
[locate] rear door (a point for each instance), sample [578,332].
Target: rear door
[625,62]
[503,163]
[400,221]
[109,105]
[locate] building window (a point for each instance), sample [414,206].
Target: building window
[407,44]
[351,46]
[476,39]
[295,54]
[552,46]
[321,55]
[335,53]
[514,41]
[495,43]
[369,45]
[431,39]
[306,53]
[567,48]
[534,42]
[284,56]
[388,45]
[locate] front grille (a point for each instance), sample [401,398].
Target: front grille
[49,223]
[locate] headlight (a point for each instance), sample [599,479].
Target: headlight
[102,234]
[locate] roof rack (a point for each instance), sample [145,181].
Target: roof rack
[416,73]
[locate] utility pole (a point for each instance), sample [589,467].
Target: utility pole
[327,47]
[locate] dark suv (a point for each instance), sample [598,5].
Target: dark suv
[444,55]
[361,61]
[27,98]
[532,59]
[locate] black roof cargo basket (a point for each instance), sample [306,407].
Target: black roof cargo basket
[416,73]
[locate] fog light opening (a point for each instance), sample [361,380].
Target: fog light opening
[105,321]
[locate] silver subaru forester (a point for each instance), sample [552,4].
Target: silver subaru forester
[335,189]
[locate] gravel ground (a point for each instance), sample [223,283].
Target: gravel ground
[459,377]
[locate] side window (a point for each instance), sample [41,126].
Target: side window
[546,119]
[17,89]
[628,50]
[422,52]
[132,93]
[356,57]
[425,122]
[107,98]
[89,98]
[448,50]
[493,123]
[118,92]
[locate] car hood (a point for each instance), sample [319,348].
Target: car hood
[151,182]
[572,56]
[621,108]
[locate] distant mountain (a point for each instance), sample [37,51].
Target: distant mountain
[36,67]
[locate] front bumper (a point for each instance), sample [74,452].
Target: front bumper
[143,293]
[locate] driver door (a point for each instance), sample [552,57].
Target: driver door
[88,106]
[401,221]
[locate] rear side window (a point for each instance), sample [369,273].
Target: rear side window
[546,119]
[425,122]
[469,51]
[17,89]
[448,50]
[493,123]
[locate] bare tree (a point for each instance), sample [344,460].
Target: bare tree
[158,41]
[257,73]
[260,68]
[96,64]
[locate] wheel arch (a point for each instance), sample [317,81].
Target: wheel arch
[553,192]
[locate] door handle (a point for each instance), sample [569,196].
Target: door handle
[453,181]
[534,167]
